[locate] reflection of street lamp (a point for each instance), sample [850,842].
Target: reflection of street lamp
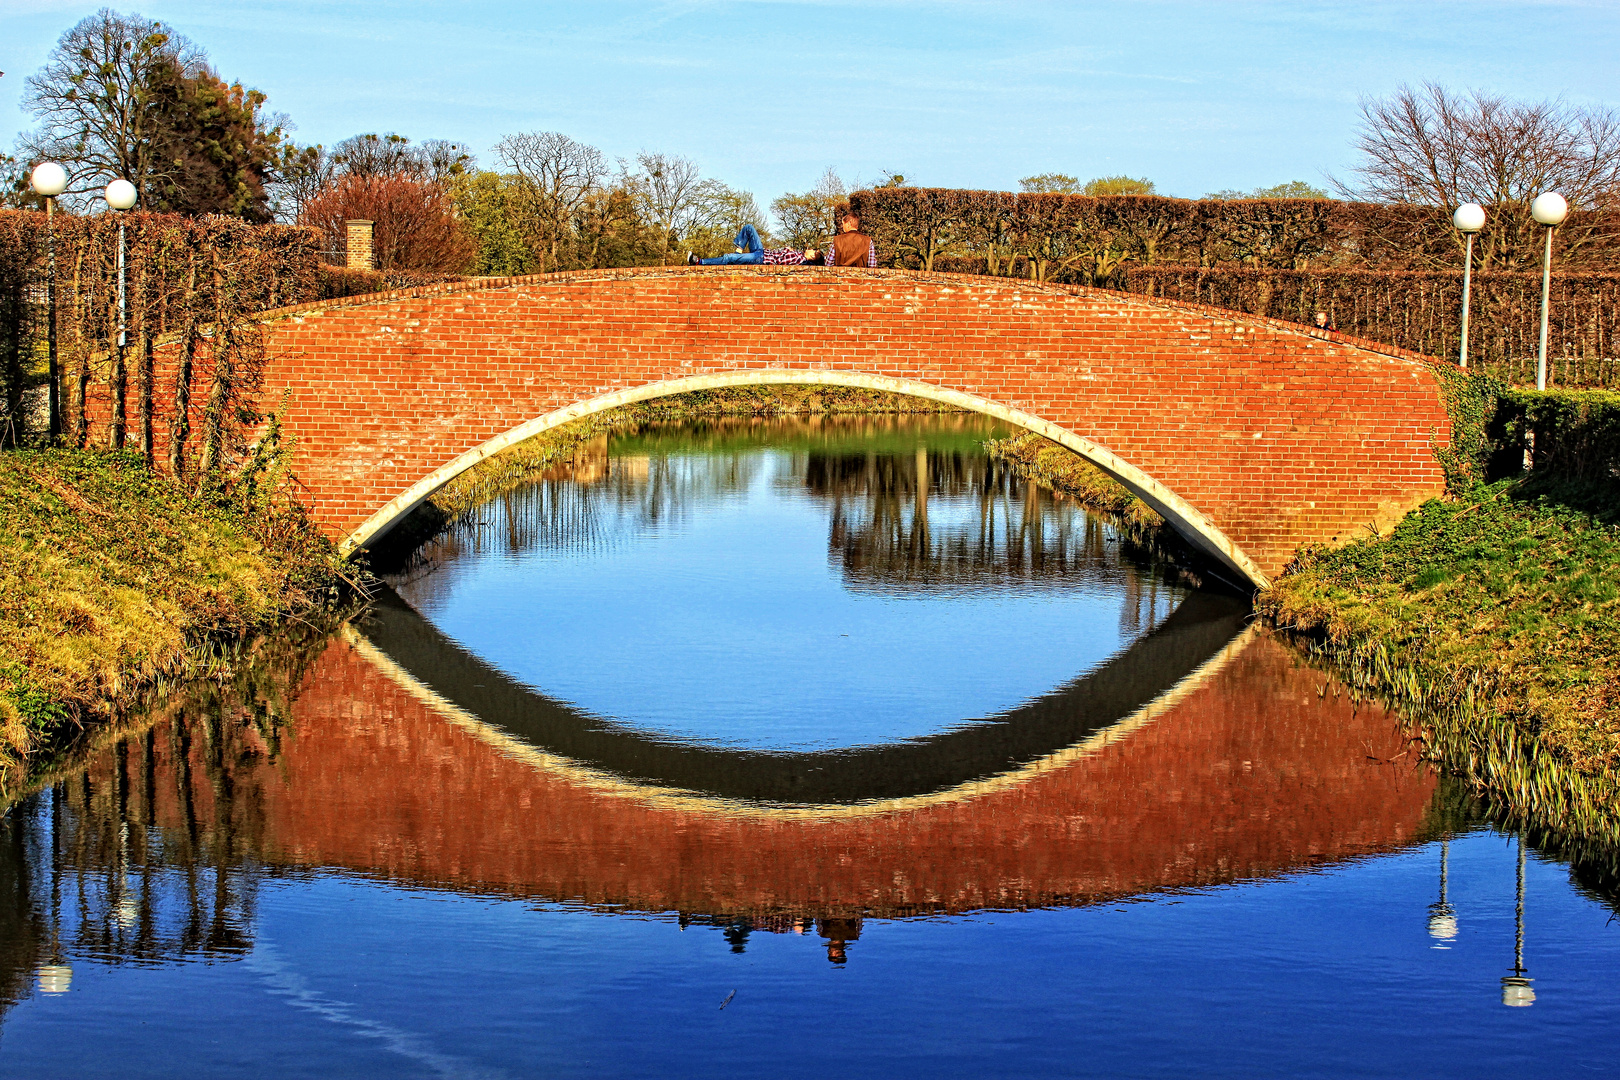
[120,196]
[1442,916]
[56,977]
[1516,990]
[1469,219]
[1549,209]
[50,180]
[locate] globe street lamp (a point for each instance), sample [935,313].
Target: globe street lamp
[120,195]
[49,180]
[1549,209]
[1469,219]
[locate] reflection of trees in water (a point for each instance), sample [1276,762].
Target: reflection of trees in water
[951,520]
[150,849]
[939,514]
[590,507]
[89,874]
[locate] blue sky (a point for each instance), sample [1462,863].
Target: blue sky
[765,94]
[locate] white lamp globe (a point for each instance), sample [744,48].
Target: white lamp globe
[120,194]
[1549,208]
[49,179]
[1469,218]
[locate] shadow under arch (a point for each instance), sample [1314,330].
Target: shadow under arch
[1187,520]
[1197,632]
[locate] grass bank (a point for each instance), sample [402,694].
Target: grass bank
[113,578]
[1493,618]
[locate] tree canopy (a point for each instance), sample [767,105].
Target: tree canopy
[122,96]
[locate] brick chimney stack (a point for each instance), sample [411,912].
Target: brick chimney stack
[360,254]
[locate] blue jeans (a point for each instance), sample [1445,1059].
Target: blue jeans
[753,251]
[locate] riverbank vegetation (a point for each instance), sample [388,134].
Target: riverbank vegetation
[533,458]
[113,577]
[1068,473]
[1494,618]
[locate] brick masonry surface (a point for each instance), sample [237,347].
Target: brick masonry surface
[1280,436]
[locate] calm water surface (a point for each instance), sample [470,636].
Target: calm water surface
[788,749]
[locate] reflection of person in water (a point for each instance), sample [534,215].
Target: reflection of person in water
[839,933]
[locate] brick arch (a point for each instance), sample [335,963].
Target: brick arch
[1185,518]
[1252,436]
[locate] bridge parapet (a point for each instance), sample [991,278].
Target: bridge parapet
[1253,437]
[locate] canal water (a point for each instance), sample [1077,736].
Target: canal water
[788,748]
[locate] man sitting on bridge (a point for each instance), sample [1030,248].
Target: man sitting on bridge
[752,253]
[851,247]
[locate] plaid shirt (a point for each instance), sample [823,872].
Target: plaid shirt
[782,257]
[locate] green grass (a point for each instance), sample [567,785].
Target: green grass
[112,577]
[1494,619]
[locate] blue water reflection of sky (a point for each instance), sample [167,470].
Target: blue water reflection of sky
[1330,973]
[729,624]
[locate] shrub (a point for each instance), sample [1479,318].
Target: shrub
[1571,434]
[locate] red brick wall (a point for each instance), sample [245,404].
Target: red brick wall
[1279,436]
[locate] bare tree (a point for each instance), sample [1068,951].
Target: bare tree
[559,174]
[442,159]
[303,173]
[1434,147]
[1043,183]
[806,219]
[671,190]
[98,103]
[372,155]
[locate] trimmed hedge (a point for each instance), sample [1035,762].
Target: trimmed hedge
[183,275]
[1085,239]
[1573,434]
[1390,273]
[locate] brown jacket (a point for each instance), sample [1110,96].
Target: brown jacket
[851,249]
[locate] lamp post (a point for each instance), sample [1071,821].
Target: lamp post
[120,195]
[49,180]
[1469,219]
[1549,209]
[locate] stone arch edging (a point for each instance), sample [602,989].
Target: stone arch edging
[1192,525]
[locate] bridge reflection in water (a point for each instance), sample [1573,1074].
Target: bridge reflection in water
[405,761]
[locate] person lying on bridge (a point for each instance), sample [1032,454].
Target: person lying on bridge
[752,253]
[851,247]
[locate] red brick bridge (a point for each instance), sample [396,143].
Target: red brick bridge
[1252,437]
